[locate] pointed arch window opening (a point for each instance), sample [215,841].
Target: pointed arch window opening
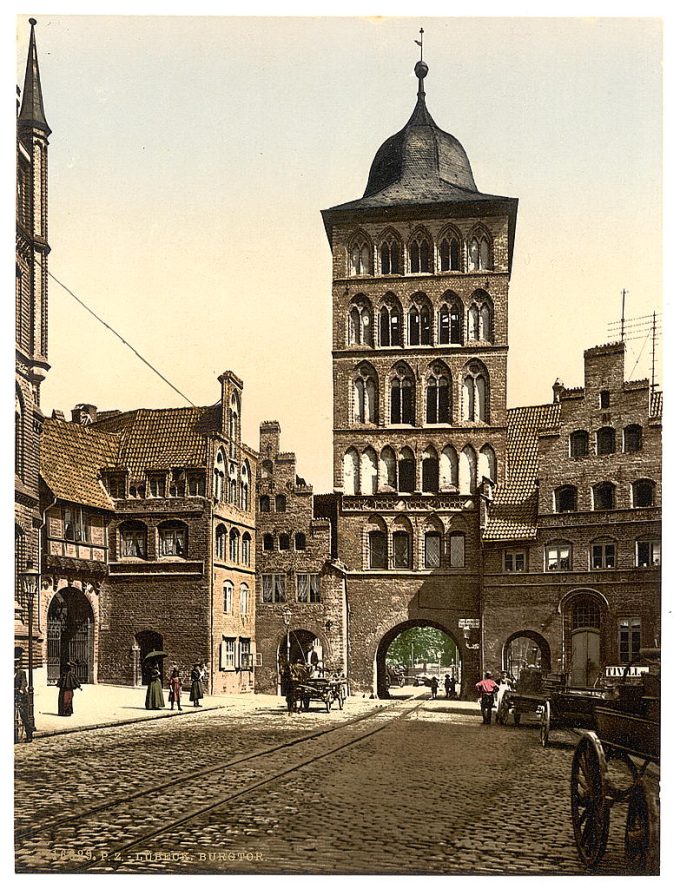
[365,401]
[438,398]
[390,251]
[402,401]
[360,259]
[390,326]
[406,472]
[449,254]
[420,255]
[359,325]
[475,397]
[450,327]
[419,326]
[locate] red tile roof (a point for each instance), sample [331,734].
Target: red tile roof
[512,515]
[71,460]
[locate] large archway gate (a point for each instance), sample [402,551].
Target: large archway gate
[468,661]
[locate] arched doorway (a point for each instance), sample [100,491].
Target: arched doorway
[526,648]
[440,652]
[70,635]
[584,611]
[302,647]
[148,641]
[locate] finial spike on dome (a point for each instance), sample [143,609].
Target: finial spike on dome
[421,68]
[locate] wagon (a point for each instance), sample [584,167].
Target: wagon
[627,730]
[555,704]
[325,690]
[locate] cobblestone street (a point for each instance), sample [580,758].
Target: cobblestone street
[389,789]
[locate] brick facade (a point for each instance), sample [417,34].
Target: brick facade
[32,250]
[295,571]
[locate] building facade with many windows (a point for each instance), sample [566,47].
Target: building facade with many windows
[301,602]
[32,251]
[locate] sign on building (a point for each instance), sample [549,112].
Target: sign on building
[471,622]
[614,672]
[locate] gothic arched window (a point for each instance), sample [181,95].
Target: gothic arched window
[390,322]
[364,391]
[218,474]
[475,393]
[450,320]
[449,254]
[360,257]
[402,402]
[420,252]
[350,468]
[420,323]
[438,395]
[359,330]
[390,256]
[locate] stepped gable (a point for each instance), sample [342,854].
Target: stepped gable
[71,460]
[513,512]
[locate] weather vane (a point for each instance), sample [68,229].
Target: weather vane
[420,44]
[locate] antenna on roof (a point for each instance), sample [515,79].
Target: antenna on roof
[420,43]
[623,312]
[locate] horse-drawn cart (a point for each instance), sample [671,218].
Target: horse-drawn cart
[627,730]
[326,691]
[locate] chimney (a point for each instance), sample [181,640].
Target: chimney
[558,389]
[84,414]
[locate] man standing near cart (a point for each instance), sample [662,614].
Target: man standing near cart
[487,688]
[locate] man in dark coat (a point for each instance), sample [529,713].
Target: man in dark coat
[21,699]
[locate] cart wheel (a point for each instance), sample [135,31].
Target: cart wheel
[642,828]
[503,712]
[516,716]
[545,724]
[589,807]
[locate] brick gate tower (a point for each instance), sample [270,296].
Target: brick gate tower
[421,267]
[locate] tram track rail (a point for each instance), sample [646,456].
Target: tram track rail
[144,793]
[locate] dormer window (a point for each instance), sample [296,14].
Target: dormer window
[115,485]
[156,484]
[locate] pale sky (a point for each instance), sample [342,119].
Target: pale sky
[190,159]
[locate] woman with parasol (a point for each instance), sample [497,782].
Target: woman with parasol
[154,692]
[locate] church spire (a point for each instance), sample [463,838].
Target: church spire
[32,113]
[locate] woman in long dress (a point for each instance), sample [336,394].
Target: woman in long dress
[154,693]
[196,692]
[67,684]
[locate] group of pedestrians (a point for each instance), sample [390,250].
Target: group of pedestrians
[449,687]
[154,692]
[491,694]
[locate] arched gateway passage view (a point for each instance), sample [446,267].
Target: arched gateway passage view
[412,654]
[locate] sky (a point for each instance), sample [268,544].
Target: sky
[190,158]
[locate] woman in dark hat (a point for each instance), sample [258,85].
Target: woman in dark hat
[67,684]
[154,692]
[196,692]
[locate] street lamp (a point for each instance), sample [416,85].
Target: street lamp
[287,615]
[29,585]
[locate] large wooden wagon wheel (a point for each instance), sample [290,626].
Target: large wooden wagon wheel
[545,723]
[589,805]
[642,828]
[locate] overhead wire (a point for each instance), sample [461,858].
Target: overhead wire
[121,338]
